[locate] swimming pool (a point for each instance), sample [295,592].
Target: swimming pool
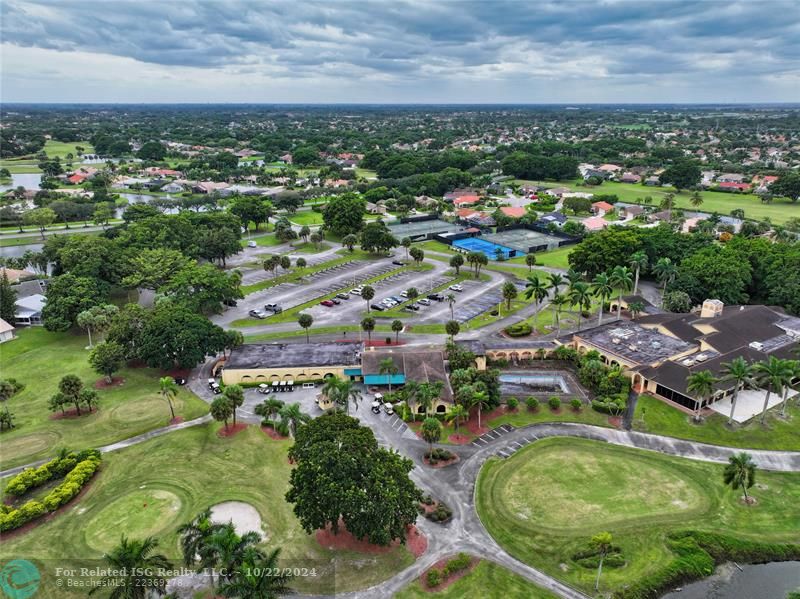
[476,244]
[550,383]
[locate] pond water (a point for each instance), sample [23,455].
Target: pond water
[753,581]
[16,251]
[26,180]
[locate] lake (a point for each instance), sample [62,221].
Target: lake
[755,581]
[26,180]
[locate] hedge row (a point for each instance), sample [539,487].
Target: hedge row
[34,477]
[74,481]
[453,566]
[696,555]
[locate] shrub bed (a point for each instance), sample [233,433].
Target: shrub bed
[84,465]
[519,329]
[439,455]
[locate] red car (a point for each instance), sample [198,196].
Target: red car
[328,303]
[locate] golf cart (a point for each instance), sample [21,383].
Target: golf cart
[263,388]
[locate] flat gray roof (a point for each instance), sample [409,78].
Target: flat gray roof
[290,355]
[633,342]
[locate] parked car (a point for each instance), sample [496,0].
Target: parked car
[457,287]
[404,294]
[397,299]
[252,244]
[336,300]
[179,380]
[424,301]
[356,291]
[412,308]
[344,295]
[231,303]
[378,307]
[436,296]
[275,308]
[327,303]
[398,262]
[258,314]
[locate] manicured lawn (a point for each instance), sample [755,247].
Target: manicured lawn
[523,416]
[366,173]
[713,201]
[39,359]
[21,167]
[545,502]
[263,240]
[349,328]
[60,149]
[154,487]
[487,580]
[654,416]
[306,217]
[16,241]
[553,259]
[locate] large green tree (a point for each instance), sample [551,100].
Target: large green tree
[8,299]
[344,214]
[68,296]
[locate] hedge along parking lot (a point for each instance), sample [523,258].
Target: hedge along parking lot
[545,502]
[38,359]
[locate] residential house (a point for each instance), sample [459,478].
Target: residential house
[466,200]
[652,181]
[286,159]
[376,208]
[513,211]
[609,168]
[172,188]
[731,178]
[425,202]
[552,218]
[15,276]
[630,178]
[6,331]
[595,223]
[737,186]
[558,191]
[209,187]
[602,207]
[628,212]
[29,309]
[76,179]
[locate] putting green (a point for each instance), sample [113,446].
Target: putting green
[32,443]
[141,409]
[140,513]
[576,487]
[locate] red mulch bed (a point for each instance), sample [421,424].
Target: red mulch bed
[104,384]
[231,430]
[440,463]
[177,372]
[415,541]
[459,439]
[615,421]
[472,423]
[71,413]
[36,522]
[380,343]
[272,433]
[450,579]
[176,420]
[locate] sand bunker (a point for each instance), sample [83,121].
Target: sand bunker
[244,516]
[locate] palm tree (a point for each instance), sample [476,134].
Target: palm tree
[235,396]
[480,399]
[138,569]
[229,550]
[701,385]
[368,325]
[451,299]
[194,537]
[305,321]
[259,577]
[602,542]
[293,417]
[696,200]
[555,280]
[456,413]
[602,289]
[739,371]
[637,262]
[665,270]
[793,374]
[538,289]
[269,408]
[387,366]
[772,374]
[740,472]
[573,276]
[579,295]
[621,279]
[367,293]
[558,301]
[397,327]
[169,389]
[636,308]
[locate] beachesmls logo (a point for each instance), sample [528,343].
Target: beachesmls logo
[19,579]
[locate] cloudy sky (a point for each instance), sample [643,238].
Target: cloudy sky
[450,51]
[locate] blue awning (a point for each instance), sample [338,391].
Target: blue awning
[352,372]
[383,379]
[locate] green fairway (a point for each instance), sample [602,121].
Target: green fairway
[713,201]
[154,487]
[60,149]
[487,580]
[306,217]
[545,502]
[39,359]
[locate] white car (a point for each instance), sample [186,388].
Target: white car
[404,294]
[456,287]
[356,291]
[424,301]
[252,244]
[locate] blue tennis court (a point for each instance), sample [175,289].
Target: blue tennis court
[476,244]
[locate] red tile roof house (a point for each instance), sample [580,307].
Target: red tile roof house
[630,178]
[513,212]
[595,223]
[738,186]
[598,207]
[466,200]
[76,179]
[464,213]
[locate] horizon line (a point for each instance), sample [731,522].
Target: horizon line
[217,103]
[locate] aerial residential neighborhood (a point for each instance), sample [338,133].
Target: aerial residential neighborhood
[425,300]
